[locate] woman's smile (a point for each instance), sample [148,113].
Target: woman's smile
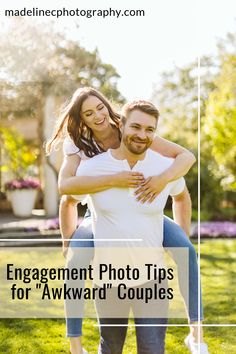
[100,121]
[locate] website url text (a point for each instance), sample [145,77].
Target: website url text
[64,12]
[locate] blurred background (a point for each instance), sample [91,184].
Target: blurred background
[151,57]
[181,55]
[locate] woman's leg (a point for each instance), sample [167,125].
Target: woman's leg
[174,236]
[78,257]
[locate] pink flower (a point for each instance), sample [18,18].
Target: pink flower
[28,183]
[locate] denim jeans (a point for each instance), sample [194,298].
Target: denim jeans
[150,339]
[174,236]
[150,334]
[82,259]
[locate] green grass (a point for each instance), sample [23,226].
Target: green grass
[218,267]
[218,270]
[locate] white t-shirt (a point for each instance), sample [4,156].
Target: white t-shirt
[116,212]
[69,148]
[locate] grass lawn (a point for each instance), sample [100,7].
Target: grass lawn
[218,267]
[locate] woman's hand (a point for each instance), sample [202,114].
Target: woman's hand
[128,179]
[150,189]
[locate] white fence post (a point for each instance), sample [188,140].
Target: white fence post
[50,188]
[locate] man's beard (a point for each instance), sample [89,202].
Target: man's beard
[137,149]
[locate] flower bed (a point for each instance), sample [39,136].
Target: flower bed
[49,224]
[213,229]
[216,229]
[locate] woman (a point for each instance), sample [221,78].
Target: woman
[93,127]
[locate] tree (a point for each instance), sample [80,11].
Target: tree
[220,121]
[19,156]
[38,63]
[177,100]
[177,97]
[37,60]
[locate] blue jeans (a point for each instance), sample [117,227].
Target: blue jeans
[150,339]
[174,236]
[150,335]
[82,259]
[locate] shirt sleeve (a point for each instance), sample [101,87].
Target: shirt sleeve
[177,186]
[85,169]
[69,147]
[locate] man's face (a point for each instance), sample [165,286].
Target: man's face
[138,131]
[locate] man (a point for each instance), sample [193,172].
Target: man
[117,213]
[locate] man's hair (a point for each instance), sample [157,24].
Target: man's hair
[140,105]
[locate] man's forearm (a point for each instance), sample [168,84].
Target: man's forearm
[182,211]
[68,218]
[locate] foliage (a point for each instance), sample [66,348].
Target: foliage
[19,156]
[177,97]
[54,64]
[211,192]
[220,121]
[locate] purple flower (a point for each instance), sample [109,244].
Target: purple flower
[28,183]
[53,224]
[216,229]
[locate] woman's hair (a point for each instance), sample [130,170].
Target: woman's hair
[70,123]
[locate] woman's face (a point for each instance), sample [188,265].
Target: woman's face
[95,114]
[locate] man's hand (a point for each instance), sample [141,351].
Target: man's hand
[150,189]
